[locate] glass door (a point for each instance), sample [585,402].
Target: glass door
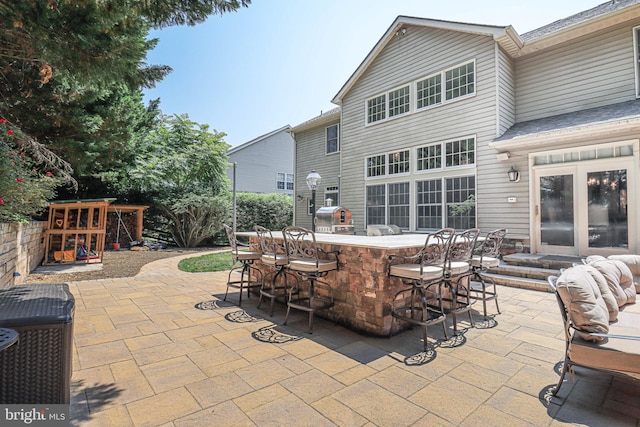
[584,209]
[607,210]
[556,211]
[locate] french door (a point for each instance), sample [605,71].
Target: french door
[584,208]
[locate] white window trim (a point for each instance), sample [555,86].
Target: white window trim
[413,91]
[443,155]
[386,105]
[437,104]
[636,59]
[326,140]
[386,174]
[475,82]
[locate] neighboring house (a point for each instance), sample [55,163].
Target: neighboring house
[264,164]
[439,112]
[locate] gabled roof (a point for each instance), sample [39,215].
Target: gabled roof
[505,36]
[258,139]
[324,118]
[569,124]
[579,18]
[588,21]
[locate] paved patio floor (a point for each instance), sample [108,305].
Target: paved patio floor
[163,349]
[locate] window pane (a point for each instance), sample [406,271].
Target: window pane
[399,101]
[399,204]
[376,109]
[429,157]
[460,81]
[376,166]
[429,204]
[460,153]
[429,91]
[332,139]
[376,204]
[399,162]
[461,206]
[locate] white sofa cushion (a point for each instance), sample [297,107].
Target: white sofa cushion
[603,286]
[582,298]
[619,278]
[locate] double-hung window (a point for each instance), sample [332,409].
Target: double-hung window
[376,166]
[377,109]
[460,81]
[391,104]
[399,162]
[455,197]
[460,152]
[429,157]
[393,163]
[284,181]
[333,139]
[388,204]
[429,91]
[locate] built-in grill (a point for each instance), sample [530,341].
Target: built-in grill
[334,220]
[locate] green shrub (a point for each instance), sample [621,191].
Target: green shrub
[272,211]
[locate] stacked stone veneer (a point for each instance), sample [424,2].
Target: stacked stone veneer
[362,291]
[21,250]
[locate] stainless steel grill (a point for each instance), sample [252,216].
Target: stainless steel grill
[334,220]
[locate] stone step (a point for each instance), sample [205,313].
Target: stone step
[538,273]
[521,282]
[552,262]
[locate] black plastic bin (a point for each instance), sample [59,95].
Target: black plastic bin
[37,369]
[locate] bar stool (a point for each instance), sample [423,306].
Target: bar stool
[489,257]
[304,260]
[246,259]
[421,303]
[273,256]
[457,275]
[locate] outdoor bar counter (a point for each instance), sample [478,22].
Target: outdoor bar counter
[362,291]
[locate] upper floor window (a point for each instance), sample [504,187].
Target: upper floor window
[376,108]
[460,152]
[333,142]
[460,81]
[284,181]
[399,162]
[436,89]
[429,91]
[399,101]
[376,165]
[429,157]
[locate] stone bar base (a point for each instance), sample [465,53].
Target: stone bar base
[363,293]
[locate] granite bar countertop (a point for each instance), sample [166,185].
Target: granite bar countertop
[396,241]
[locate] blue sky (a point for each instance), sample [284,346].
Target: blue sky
[281,62]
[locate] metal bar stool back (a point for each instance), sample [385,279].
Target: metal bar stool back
[483,286]
[310,294]
[275,283]
[421,303]
[457,298]
[246,259]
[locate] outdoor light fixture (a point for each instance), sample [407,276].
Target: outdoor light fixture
[313,179]
[514,175]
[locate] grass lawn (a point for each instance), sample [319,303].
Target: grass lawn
[219,261]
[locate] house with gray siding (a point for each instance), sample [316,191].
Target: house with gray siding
[264,164]
[439,112]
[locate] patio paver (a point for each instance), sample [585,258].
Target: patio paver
[162,348]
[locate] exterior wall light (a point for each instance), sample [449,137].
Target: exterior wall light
[514,175]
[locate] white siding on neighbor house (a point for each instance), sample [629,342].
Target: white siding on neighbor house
[421,52]
[260,162]
[311,155]
[591,72]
